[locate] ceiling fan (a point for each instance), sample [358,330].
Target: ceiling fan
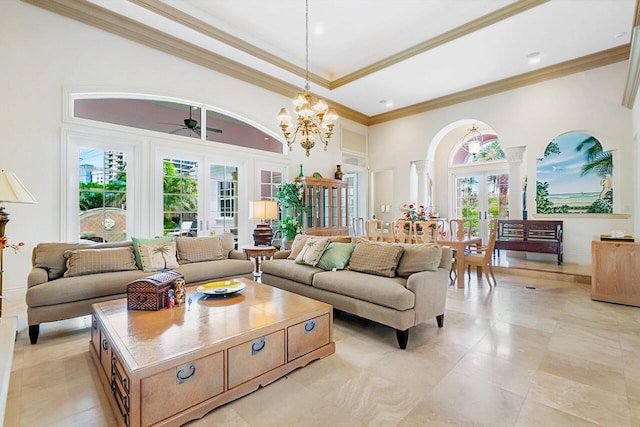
[191,124]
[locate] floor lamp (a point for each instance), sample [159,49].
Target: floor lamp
[11,191]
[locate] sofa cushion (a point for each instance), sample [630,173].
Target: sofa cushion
[380,259]
[158,257]
[50,256]
[197,249]
[288,269]
[420,257]
[385,291]
[149,242]
[336,256]
[312,251]
[81,262]
[210,271]
[81,288]
[228,243]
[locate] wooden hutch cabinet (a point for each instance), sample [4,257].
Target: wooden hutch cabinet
[327,202]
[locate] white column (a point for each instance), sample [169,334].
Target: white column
[423,184]
[514,159]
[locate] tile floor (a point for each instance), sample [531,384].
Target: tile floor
[531,352]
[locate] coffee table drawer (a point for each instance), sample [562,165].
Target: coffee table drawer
[180,387]
[253,358]
[307,336]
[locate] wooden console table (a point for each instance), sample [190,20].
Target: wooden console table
[615,272]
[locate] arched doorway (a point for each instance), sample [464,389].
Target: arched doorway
[477,179]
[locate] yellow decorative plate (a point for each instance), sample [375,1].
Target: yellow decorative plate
[223,287]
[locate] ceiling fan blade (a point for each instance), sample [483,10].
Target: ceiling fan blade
[177,130]
[214,130]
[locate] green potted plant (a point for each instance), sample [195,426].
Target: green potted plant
[290,197]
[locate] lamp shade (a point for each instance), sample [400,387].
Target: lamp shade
[264,209]
[13,190]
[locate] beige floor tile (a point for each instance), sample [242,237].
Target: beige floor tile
[535,414]
[603,376]
[581,400]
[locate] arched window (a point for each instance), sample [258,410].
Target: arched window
[489,149]
[200,122]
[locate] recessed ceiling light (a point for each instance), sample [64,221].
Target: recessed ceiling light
[534,57]
[386,103]
[266,138]
[620,35]
[318,29]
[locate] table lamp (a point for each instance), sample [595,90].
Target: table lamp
[11,191]
[263,210]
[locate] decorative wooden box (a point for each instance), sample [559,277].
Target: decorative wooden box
[150,293]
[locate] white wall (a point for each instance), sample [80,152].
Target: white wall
[530,116]
[43,53]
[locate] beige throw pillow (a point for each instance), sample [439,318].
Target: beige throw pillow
[198,249]
[158,257]
[297,245]
[375,258]
[228,243]
[312,251]
[81,262]
[421,257]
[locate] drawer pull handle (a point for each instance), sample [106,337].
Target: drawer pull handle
[186,372]
[309,326]
[105,345]
[258,345]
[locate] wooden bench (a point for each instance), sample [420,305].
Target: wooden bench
[530,236]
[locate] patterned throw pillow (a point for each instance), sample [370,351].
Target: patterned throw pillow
[297,245]
[421,257]
[380,259]
[197,249]
[81,262]
[336,256]
[158,257]
[312,251]
[228,243]
[150,242]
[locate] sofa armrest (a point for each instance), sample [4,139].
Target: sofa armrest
[430,289]
[234,254]
[282,254]
[37,276]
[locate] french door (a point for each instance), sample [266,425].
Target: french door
[481,197]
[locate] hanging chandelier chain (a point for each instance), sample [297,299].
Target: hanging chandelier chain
[307,44]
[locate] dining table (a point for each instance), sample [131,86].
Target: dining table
[459,245]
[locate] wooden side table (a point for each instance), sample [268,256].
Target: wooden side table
[259,253]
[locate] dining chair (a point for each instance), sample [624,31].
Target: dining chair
[429,234]
[373,229]
[460,228]
[358,226]
[483,255]
[399,228]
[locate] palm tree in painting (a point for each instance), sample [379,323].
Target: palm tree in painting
[597,161]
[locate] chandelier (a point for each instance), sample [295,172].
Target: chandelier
[473,138]
[315,119]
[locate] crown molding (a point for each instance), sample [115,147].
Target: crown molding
[584,63]
[461,31]
[633,75]
[96,16]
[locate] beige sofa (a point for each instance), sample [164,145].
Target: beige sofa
[408,298]
[51,296]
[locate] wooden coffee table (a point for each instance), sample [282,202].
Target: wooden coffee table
[171,366]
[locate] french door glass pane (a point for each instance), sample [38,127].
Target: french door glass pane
[223,207]
[180,196]
[467,202]
[102,195]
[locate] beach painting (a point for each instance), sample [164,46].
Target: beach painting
[574,176]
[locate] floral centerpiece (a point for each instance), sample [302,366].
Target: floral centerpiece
[290,226]
[414,212]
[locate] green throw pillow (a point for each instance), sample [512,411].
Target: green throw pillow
[335,256]
[159,241]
